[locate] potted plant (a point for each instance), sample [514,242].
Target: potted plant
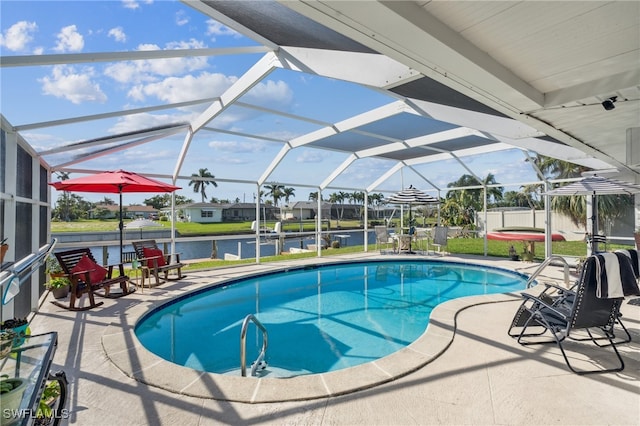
[6,342]
[580,264]
[48,400]
[59,286]
[11,391]
[527,252]
[4,247]
[53,268]
[20,326]
[513,254]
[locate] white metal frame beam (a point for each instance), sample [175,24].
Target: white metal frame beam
[249,79]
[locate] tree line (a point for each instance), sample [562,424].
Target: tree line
[457,208]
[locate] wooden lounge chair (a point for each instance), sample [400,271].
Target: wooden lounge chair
[155,262]
[593,305]
[86,276]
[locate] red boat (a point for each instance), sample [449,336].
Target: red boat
[521,234]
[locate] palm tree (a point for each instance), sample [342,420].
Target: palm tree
[376,200]
[313,196]
[472,198]
[493,192]
[288,193]
[552,168]
[65,194]
[533,192]
[276,192]
[202,179]
[575,206]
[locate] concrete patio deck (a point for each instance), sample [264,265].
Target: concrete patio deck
[482,377]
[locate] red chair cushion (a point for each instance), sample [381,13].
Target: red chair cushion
[151,252]
[97,273]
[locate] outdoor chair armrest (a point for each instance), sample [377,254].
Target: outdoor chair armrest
[110,269]
[537,302]
[147,259]
[170,255]
[81,272]
[84,277]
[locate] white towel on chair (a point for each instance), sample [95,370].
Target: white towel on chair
[612,271]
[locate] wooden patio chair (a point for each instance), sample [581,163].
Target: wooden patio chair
[86,276]
[155,262]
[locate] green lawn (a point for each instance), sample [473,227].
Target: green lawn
[192,229]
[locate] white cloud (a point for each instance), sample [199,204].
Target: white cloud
[271,93]
[18,36]
[181,18]
[118,34]
[135,122]
[128,72]
[152,70]
[143,151]
[215,28]
[75,86]
[180,89]
[311,156]
[237,147]
[69,40]
[130,4]
[44,141]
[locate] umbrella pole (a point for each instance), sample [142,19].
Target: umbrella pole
[594,223]
[120,225]
[410,236]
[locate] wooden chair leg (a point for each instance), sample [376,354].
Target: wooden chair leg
[74,297]
[92,298]
[157,275]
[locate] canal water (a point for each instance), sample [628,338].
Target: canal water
[245,248]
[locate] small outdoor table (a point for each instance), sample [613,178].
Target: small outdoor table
[31,361]
[342,238]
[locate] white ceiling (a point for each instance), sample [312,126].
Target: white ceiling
[546,64]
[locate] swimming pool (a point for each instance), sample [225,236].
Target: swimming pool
[319,319]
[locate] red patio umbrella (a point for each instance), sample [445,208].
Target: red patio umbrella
[114,182]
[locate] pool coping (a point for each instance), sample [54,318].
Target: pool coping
[124,350]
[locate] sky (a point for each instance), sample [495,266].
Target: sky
[44,93]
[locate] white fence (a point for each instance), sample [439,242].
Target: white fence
[619,230]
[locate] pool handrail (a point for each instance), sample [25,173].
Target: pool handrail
[546,263]
[243,345]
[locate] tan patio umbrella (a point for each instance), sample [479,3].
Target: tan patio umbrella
[411,196]
[594,186]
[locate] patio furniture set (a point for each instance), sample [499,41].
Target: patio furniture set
[414,238]
[88,277]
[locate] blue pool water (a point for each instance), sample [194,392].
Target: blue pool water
[318,319]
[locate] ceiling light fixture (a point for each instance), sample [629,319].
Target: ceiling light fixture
[608,104]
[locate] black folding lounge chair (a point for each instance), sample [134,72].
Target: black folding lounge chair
[595,304]
[555,295]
